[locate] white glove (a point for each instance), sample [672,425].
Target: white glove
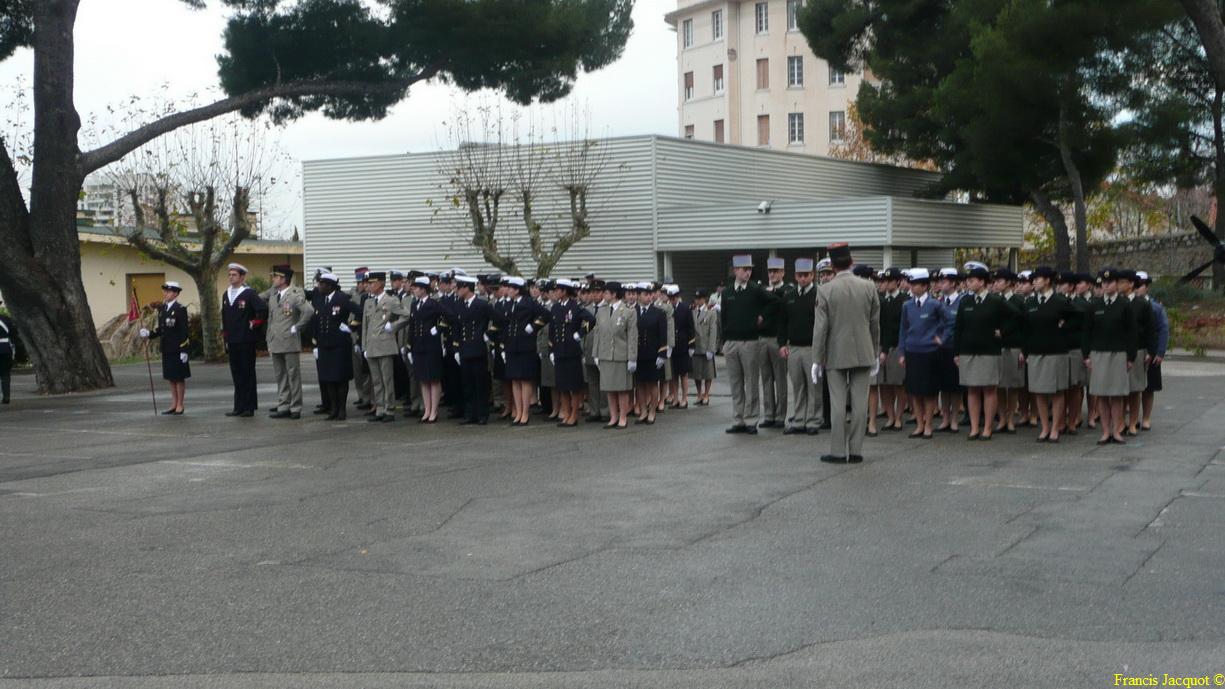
[631,366]
[183,357]
[366,355]
[344,328]
[357,348]
[875,367]
[387,327]
[577,337]
[710,356]
[410,357]
[669,354]
[529,329]
[692,351]
[144,332]
[315,352]
[293,330]
[404,351]
[659,362]
[434,330]
[816,373]
[457,358]
[503,357]
[487,340]
[596,359]
[551,359]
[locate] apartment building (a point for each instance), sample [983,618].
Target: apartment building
[745,75]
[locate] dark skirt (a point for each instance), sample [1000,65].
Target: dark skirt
[522,366]
[923,376]
[948,376]
[568,375]
[647,373]
[335,364]
[427,366]
[682,364]
[499,366]
[173,369]
[1154,378]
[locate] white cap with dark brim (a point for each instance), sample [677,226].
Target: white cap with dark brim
[237,266]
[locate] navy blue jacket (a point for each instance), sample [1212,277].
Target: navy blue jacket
[172,327]
[652,335]
[922,324]
[470,323]
[240,321]
[520,314]
[569,319]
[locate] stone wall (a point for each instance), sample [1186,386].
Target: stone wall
[1172,255]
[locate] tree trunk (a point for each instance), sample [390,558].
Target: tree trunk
[1059,227]
[45,292]
[1218,182]
[1079,212]
[210,314]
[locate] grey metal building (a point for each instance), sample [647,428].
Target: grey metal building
[661,207]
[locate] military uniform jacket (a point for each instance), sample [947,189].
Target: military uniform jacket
[542,334]
[846,328]
[471,322]
[682,318]
[1073,326]
[796,317]
[521,313]
[589,336]
[172,327]
[329,315]
[358,296]
[569,319]
[652,333]
[241,320]
[741,308]
[1044,323]
[1109,327]
[1146,331]
[891,319]
[773,312]
[975,326]
[706,330]
[616,333]
[285,311]
[427,314]
[8,333]
[377,312]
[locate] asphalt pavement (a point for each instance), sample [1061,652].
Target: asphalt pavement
[204,551]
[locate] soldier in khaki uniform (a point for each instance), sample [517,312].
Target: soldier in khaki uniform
[705,344]
[361,372]
[845,342]
[289,312]
[773,364]
[795,335]
[597,404]
[616,352]
[379,344]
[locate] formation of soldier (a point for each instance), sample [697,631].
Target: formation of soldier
[990,349]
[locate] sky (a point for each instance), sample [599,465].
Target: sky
[144,47]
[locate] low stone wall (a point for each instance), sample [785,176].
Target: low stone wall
[1172,255]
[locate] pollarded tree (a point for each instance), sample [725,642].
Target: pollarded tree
[348,59]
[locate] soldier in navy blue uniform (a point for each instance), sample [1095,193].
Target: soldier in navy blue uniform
[426,326]
[473,316]
[8,351]
[682,353]
[524,318]
[652,352]
[242,314]
[333,340]
[452,388]
[570,322]
[172,328]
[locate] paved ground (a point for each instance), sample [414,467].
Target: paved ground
[202,551]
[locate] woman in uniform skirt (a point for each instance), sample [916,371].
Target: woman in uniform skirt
[172,327]
[980,316]
[524,318]
[684,350]
[1109,345]
[570,322]
[1146,348]
[925,326]
[705,342]
[426,324]
[616,352]
[1043,349]
[652,353]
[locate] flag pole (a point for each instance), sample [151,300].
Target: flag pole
[148,364]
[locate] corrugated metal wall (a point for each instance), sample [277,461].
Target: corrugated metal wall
[380,212]
[790,224]
[919,222]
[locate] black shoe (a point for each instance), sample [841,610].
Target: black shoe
[373,418]
[168,412]
[833,459]
[738,428]
[467,422]
[322,410]
[341,415]
[751,430]
[246,414]
[855,459]
[331,416]
[792,430]
[279,415]
[233,413]
[295,414]
[813,431]
[371,413]
[767,424]
[595,418]
[387,417]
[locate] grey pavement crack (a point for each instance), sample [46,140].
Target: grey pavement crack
[1145,562]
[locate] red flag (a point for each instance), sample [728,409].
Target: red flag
[133,308]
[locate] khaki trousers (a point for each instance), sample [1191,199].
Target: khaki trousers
[846,436]
[743,358]
[383,380]
[773,381]
[597,403]
[361,379]
[805,409]
[288,371]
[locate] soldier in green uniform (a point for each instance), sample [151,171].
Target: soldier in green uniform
[1109,347]
[981,317]
[795,344]
[742,313]
[892,374]
[1146,348]
[773,365]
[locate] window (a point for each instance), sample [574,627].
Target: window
[795,128]
[836,77]
[687,33]
[689,131]
[688,85]
[762,13]
[795,70]
[718,78]
[763,74]
[793,14]
[716,25]
[837,125]
[763,130]
[718,131]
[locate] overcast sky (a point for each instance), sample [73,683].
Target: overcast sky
[126,47]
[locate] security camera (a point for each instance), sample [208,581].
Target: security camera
[765,206]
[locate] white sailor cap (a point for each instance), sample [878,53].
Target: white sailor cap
[423,280]
[1141,275]
[237,266]
[949,273]
[171,284]
[917,274]
[672,290]
[1025,274]
[515,281]
[329,277]
[458,271]
[825,265]
[565,283]
[971,265]
[465,279]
